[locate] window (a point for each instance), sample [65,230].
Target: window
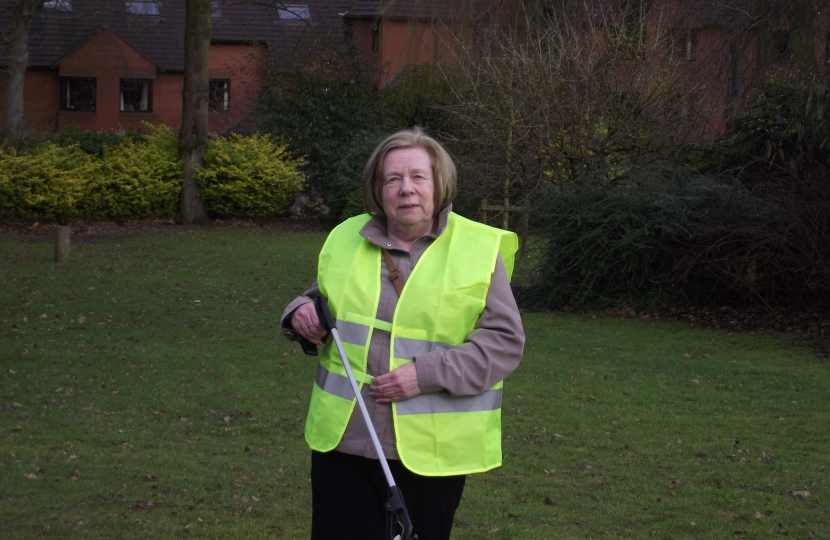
[682,45]
[294,12]
[219,98]
[58,5]
[142,7]
[78,93]
[217,9]
[781,41]
[136,95]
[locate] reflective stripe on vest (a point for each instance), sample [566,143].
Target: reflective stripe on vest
[436,434]
[439,402]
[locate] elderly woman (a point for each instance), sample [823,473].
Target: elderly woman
[423,305]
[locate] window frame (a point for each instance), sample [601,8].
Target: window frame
[149,97]
[65,94]
[683,46]
[213,90]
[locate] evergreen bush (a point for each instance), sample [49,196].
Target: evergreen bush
[136,177]
[612,242]
[248,176]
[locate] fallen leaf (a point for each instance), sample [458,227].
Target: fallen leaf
[31,476]
[188,526]
[12,372]
[115,392]
[758,515]
[182,419]
[216,522]
[249,509]
[695,381]
[73,457]
[75,475]
[549,501]
[687,355]
[558,436]
[494,530]
[598,482]
[592,398]
[43,316]
[800,495]
[659,499]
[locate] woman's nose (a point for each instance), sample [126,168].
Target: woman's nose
[406,186]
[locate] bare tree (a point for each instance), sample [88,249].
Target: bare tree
[21,14]
[555,94]
[194,128]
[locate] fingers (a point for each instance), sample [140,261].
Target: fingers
[397,385]
[305,322]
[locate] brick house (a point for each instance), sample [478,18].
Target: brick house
[715,45]
[113,64]
[391,35]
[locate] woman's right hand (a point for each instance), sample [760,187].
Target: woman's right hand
[305,322]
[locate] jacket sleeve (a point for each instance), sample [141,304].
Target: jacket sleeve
[489,354]
[285,319]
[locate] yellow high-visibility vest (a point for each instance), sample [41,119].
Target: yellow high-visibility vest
[436,435]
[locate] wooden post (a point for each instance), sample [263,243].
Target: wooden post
[484,214]
[525,228]
[61,245]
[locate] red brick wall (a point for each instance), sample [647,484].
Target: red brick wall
[108,58]
[243,65]
[41,94]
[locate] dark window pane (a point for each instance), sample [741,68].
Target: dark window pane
[220,93]
[78,94]
[135,95]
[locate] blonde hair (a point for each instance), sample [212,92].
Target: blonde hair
[443,169]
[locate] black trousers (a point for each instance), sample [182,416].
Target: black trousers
[348,493]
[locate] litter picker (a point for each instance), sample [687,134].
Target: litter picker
[398,524]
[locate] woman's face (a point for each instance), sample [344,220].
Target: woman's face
[408,189]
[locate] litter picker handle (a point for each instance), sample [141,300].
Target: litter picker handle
[399,526]
[323,313]
[326,321]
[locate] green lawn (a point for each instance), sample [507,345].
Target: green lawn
[146,392]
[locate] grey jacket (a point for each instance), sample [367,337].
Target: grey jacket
[490,353]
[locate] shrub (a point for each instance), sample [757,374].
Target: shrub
[779,150]
[248,176]
[45,184]
[611,242]
[94,142]
[327,113]
[135,178]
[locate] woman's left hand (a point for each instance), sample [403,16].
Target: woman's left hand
[397,385]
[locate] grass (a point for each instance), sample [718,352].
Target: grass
[145,392]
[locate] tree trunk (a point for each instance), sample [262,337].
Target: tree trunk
[21,13]
[194,130]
